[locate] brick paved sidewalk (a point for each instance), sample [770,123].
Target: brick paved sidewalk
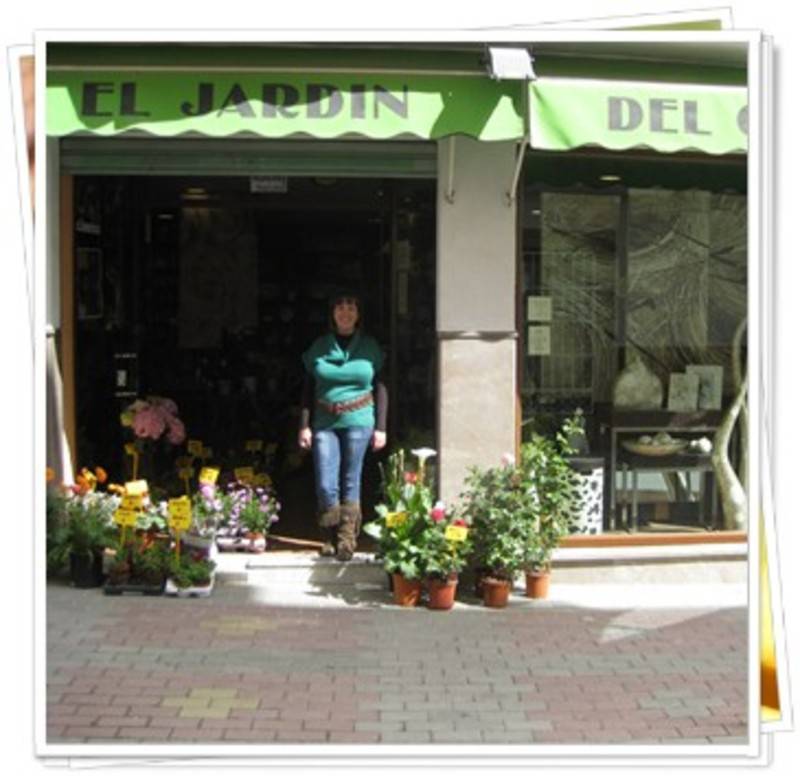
[229,669]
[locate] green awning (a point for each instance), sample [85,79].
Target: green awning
[567,114]
[274,105]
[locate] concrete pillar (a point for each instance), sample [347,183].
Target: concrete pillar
[476,304]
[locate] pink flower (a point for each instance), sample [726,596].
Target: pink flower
[410,477]
[148,423]
[438,513]
[177,431]
[507,459]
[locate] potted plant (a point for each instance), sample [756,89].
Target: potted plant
[500,503]
[401,524]
[190,575]
[208,512]
[156,428]
[81,527]
[139,565]
[552,479]
[252,511]
[445,551]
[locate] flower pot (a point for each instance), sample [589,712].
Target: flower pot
[406,592]
[86,570]
[442,593]
[496,592]
[537,584]
[256,542]
[201,544]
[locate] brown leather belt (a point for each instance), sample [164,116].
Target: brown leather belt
[340,407]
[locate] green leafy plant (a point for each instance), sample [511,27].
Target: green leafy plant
[81,524]
[446,546]
[552,480]
[501,504]
[403,517]
[188,571]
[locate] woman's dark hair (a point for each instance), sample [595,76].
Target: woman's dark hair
[342,294]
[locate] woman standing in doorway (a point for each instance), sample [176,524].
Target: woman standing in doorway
[343,412]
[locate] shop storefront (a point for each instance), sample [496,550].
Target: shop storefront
[520,242]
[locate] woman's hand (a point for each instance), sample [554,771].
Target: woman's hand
[304,438]
[378,440]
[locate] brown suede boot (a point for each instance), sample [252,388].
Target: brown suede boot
[328,549]
[328,520]
[349,527]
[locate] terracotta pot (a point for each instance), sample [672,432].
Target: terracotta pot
[537,584]
[406,592]
[442,593]
[496,592]
[256,542]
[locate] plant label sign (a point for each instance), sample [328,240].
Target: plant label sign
[253,445]
[244,474]
[180,514]
[130,448]
[187,473]
[393,519]
[455,533]
[208,475]
[136,488]
[195,448]
[132,501]
[125,517]
[262,480]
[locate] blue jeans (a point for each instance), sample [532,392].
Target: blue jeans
[338,460]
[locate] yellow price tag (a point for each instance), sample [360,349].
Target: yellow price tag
[130,448]
[208,475]
[126,517]
[395,518]
[180,507]
[253,445]
[244,474]
[262,480]
[456,533]
[180,524]
[136,488]
[187,473]
[132,501]
[195,447]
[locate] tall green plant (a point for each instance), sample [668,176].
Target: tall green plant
[552,481]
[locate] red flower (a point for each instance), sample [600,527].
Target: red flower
[437,514]
[460,522]
[411,478]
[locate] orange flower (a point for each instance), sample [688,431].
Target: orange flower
[50,473]
[102,474]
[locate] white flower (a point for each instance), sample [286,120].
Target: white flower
[507,459]
[423,453]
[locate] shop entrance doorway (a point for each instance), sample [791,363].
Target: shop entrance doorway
[208,290]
